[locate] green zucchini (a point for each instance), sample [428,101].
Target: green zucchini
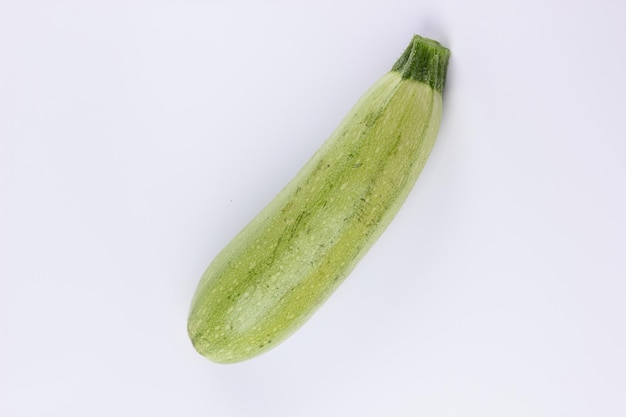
[289,259]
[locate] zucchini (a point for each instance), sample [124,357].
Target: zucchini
[290,258]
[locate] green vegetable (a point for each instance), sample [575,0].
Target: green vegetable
[290,258]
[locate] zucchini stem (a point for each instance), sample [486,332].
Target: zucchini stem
[424,60]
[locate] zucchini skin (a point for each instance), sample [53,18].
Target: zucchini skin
[290,258]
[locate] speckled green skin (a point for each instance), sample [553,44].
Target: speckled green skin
[285,263]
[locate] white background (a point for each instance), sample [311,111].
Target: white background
[136,138]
